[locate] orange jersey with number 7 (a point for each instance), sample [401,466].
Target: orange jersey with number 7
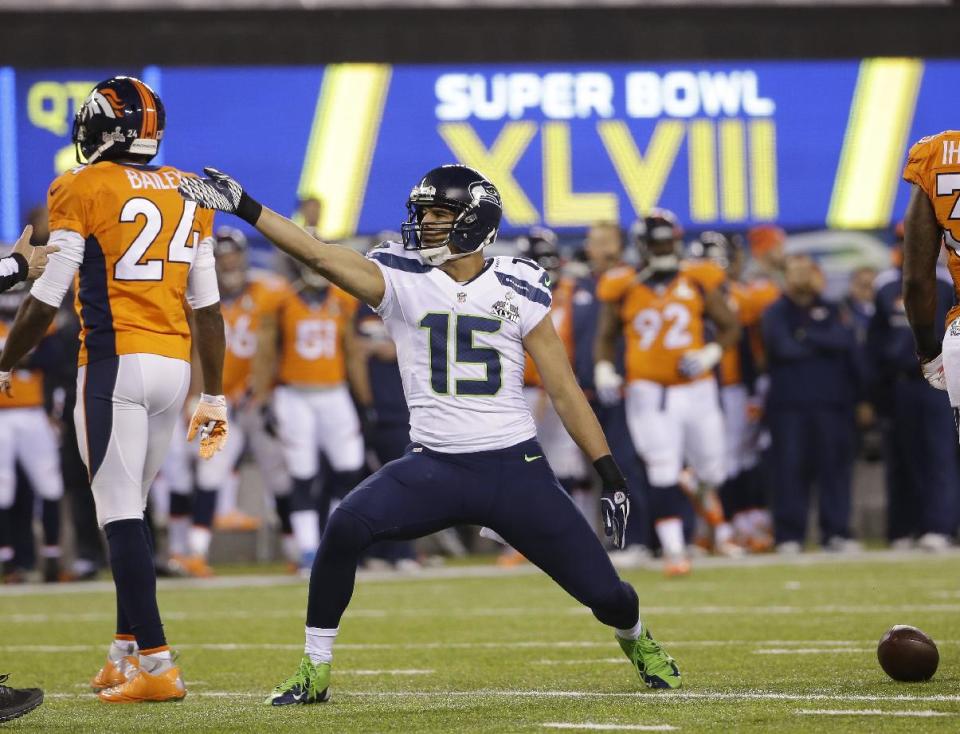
[933,164]
[141,238]
[661,321]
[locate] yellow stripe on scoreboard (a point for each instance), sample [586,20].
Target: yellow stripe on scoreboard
[345,127]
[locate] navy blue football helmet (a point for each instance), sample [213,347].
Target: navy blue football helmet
[650,235]
[120,117]
[713,246]
[470,196]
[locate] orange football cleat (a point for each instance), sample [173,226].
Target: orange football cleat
[193,566]
[114,674]
[144,686]
[236,520]
[510,559]
[676,567]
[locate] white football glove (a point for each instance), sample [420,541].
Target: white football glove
[933,372]
[6,378]
[607,383]
[699,361]
[210,419]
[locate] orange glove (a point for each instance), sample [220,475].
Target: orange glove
[210,418]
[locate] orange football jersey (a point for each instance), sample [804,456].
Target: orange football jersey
[311,338]
[661,322]
[242,320]
[561,312]
[141,237]
[748,301]
[26,385]
[933,164]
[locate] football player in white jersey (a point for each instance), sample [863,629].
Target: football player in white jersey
[461,324]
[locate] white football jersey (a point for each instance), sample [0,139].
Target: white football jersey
[460,348]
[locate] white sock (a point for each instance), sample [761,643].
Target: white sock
[319,646]
[723,533]
[227,496]
[119,649]
[631,634]
[742,524]
[670,533]
[200,541]
[290,551]
[6,553]
[306,530]
[762,520]
[156,662]
[178,528]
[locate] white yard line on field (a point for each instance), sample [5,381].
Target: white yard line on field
[758,610]
[811,650]
[869,712]
[607,727]
[782,647]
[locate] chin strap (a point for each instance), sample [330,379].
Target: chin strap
[437,256]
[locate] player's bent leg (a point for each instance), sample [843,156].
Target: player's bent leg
[415,495]
[533,513]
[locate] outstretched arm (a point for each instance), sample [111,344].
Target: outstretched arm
[343,266]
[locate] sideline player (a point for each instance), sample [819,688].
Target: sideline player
[673,407]
[318,351]
[474,457]
[741,493]
[139,252]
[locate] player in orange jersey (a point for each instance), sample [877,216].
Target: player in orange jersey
[742,493]
[673,406]
[139,254]
[933,167]
[27,438]
[250,305]
[317,351]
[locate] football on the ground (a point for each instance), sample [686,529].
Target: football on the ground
[906,654]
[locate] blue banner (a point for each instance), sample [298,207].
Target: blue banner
[724,145]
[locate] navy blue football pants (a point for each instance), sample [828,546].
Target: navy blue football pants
[812,446]
[513,491]
[923,473]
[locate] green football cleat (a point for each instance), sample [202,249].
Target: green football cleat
[310,684]
[654,666]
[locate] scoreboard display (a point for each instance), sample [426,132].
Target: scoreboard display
[725,145]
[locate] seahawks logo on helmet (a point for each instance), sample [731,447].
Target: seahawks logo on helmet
[484,191]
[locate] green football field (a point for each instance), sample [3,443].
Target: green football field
[767,647]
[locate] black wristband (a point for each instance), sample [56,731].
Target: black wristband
[248,209]
[610,474]
[23,267]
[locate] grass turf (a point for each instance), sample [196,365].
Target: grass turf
[511,652]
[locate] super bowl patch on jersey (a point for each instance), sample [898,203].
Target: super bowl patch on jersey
[505,310]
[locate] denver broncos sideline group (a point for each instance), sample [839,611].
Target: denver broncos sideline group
[494,403]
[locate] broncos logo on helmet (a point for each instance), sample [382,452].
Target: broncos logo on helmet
[120,117]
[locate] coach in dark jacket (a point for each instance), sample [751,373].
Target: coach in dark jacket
[814,386]
[922,467]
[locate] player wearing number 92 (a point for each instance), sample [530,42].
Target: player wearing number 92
[461,324]
[140,252]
